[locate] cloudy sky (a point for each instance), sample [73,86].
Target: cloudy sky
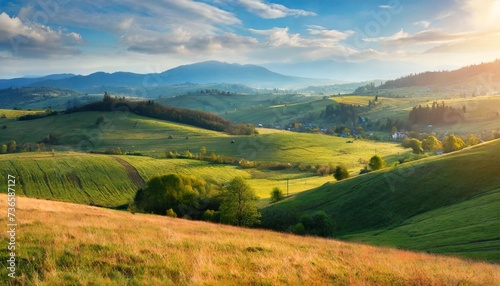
[55,36]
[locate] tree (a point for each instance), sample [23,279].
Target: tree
[239,204]
[341,173]
[416,145]
[376,163]
[3,149]
[453,143]
[277,195]
[11,146]
[203,152]
[472,140]
[432,144]
[184,195]
[171,213]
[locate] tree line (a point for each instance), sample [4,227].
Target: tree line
[151,109]
[436,114]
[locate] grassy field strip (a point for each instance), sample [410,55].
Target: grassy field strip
[69,244]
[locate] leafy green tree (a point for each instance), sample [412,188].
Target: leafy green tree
[453,143]
[324,224]
[277,195]
[376,163]
[472,140]
[432,144]
[171,213]
[3,149]
[11,146]
[416,146]
[182,194]
[341,172]
[320,223]
[299,229]
[203,152]
[239,204]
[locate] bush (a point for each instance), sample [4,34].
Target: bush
[376,163]
[432,144]
[299,229]
[51,139]
[182,194]
[320,223]
[416,146]
[210,215]
[364,170]
[341,173]
[277,195]
[453,143]
[170,213]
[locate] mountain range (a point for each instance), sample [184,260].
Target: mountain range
[198,73]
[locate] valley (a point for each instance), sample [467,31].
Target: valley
[345,187]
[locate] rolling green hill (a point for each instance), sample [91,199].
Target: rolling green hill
[131,132]
[445,204]
[112,181]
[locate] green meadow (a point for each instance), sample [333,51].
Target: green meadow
[444,204]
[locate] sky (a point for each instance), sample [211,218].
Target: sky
[62,36]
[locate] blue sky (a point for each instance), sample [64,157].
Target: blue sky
[54,36]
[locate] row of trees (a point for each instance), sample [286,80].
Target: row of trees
[151,109]
[193,198]
[432,144]
[437,114]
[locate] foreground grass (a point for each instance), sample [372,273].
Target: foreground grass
[62,244]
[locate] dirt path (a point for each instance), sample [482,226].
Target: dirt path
[131,172]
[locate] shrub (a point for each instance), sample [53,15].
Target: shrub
[208,215]
[341,173]
[171,213]
[277,195]
[299,229]
[320,223]
[376,163]
[416,146]
[432,144]
[453,143]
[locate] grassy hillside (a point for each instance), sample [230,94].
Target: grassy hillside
[112,181]
[213,101]
[404,205]
[67,244]
[130,132]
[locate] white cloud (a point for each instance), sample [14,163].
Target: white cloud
[328,34]
[34,40]
[401,34]
[279,37]
[422,23]
[183,42]
[272,10]
[384,6]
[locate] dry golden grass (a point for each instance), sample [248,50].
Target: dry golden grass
[63,243]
